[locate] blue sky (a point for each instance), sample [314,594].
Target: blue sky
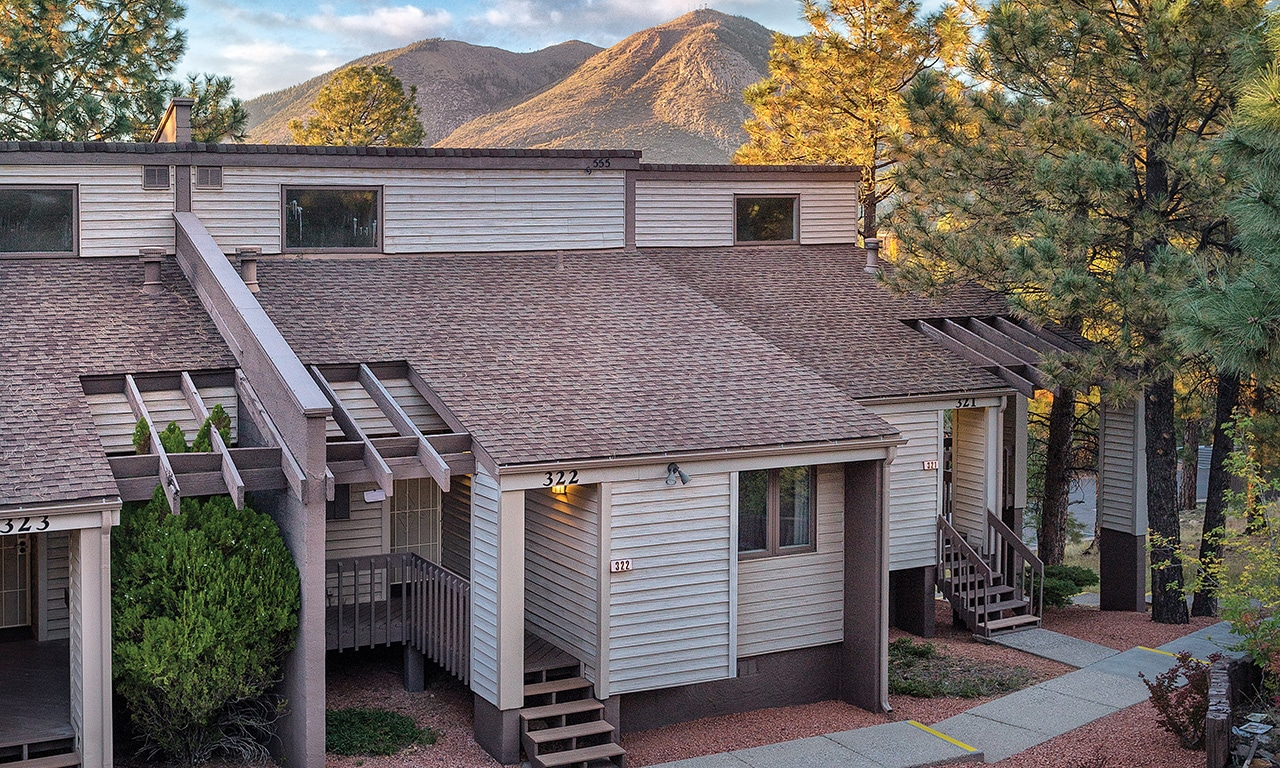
[266,46]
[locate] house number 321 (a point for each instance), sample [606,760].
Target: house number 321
[22,524]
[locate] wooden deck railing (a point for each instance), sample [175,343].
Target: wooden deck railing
[400,598]
[962,571]
[1014,560]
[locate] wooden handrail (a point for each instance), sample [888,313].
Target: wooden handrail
[1015,561]
[961,570]
[401,597]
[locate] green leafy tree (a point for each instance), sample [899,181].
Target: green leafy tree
[216,116]
[833,96]
[1073,169]
[84,70]
[204,607]
[363,107]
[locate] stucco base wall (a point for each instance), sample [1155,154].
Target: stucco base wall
[911,600]
[497,731]
[773,680]
[1122,571]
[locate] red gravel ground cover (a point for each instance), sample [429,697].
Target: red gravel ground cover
[1127,739]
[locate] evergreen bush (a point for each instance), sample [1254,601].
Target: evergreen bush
[219,419]
[173,440]
[205,606]
[1062,582]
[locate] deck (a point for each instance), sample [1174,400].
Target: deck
[35,697]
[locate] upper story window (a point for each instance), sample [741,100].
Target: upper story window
[765,219]
[777,511]
[37,221]
[328,218]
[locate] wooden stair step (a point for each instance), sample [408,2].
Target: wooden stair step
[556,686]
[576,731]
[1011,621]
[1006,605]
[561,709]
[993,591]
[584,755]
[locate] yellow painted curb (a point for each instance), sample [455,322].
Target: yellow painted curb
[943,736]
[1166,653]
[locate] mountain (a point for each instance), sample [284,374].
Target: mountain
[456,82]
[674,91]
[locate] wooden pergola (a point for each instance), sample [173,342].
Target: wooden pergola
[386,425]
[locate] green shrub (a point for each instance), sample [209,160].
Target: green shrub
[142,437]
[173,440]
[205,605]
[920,669]
[372,732]
[1062,582]
[218,419]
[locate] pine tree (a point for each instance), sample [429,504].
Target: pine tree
[833,96]
[1073,169]
[84,70]
[364,107]
[216,116]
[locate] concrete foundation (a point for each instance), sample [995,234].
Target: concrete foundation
[1122,571]
[498,731]
[911,600]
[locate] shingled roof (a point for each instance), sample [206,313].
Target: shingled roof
[64,318]
[817,304]
[562,356]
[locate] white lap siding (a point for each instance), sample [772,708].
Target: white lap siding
[57,596]
[562,545]
[108,196]
[1122,469]
[701,213]
[915,493]
[485,521]
[670,618]
[433,211]
[455,526]
[797,601]
[969,473]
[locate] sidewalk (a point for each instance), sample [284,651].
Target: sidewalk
[1105,682]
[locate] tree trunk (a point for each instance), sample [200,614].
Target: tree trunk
[1205,602]
[1190,464]
[1051,536]
[1168,603]
[1257,521]
[870,225]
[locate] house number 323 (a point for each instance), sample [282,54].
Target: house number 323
[22,524]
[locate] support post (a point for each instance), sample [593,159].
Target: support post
[865,650]
[1122,506]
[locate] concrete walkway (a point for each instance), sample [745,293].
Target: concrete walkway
[1106,682]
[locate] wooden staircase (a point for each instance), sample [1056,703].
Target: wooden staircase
[562,723]
[999,591]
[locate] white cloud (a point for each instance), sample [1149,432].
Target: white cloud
[385,25]
[260,66]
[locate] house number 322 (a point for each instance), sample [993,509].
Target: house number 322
[561,478]
[12,525]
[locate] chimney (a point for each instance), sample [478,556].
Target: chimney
[872,244]
[249,266]
[175,126]
[151,259]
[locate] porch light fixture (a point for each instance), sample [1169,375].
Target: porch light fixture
[674,471]
[559,489]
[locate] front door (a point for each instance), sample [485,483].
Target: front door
[15,581]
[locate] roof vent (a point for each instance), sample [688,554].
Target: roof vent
[872,245]
[151,259]
[249,266]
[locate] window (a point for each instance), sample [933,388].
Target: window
[415,518]
[318,218]
[340,507]
[155,177]
[208,177]
[776,511]
[765,219]
[37,221]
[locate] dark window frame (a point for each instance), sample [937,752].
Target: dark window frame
[773,515]
[795,219]
[378,189]
[75,223]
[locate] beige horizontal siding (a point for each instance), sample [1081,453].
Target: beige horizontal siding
[914,492]
[455,526]
[433,211]
[361,535]
[701,213]
[670,616]
[486,501]
[796,601]
[109,195]
[58,574]
[561,595]
[357,402]
[969,476]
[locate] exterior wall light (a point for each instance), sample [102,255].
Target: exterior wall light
[674,471]
[560,489]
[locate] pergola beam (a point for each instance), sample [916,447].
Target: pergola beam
[1010,377]
[373,460]
[168,479]
[252,404]
[230,474]
[435,464]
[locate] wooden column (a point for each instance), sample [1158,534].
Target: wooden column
[864,654]
[1122,506]
[90,579]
